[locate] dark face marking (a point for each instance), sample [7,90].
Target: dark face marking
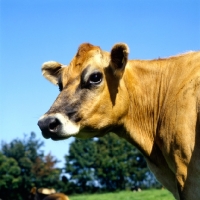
[60,84]
[94,79]
[66,104]
[71,110]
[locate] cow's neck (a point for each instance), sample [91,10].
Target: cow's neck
[148,91]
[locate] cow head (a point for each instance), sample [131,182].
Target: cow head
[93,96]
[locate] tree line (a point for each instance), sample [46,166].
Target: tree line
[93,165]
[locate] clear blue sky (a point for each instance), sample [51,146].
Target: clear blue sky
[32,32]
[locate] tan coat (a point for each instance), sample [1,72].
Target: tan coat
[152,104]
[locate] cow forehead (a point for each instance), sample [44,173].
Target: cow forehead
[85,51]
[94,58]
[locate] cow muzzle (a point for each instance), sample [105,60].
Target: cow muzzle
[50,126]
[57,127]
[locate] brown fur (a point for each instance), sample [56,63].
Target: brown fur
[56,196]
[46,194]
[152,104]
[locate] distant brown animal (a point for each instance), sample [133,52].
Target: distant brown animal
[153,104]
[46,194]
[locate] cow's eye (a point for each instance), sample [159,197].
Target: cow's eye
[95,78]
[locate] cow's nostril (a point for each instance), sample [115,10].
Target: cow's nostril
[50,127]
[54,125]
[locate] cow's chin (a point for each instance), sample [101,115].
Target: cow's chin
[71,129]
[85,133]
[88,132]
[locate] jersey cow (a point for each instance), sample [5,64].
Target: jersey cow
[153,104]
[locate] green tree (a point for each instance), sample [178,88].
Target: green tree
[10,177]
[119,164]
[32,166]
[45,172]
[109,163]
[79,165]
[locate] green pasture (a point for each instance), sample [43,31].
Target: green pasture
[127,195]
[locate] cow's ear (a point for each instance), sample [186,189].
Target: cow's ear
[51,71]
[119,58]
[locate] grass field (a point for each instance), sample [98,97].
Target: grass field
[127,195]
